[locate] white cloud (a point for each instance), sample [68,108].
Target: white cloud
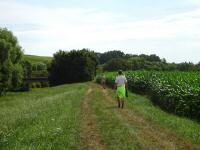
[76,27]
[195,2]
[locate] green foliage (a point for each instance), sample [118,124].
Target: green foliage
[152,57]
[116,60]
[134,63]
[39,66]
[17,77]
[141,62]
[186,66]
[38,84]
[44,84]
[197,66]
[116,64]
[39,69]
[177,92]
[11,72]
[32,85]
[73,66]
[27,67]
[170,67]
[107,56]
[42,73]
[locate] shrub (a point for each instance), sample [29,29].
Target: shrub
[38,84]
[32,85]
[73,66]
[44,84]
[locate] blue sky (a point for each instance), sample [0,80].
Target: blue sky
[170,29]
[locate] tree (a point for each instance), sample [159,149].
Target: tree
[171,67]
[186,66]
[151,57]
[39,66]
[73,66]
[11,72]
[197,66]
[117,64]
[105,57]
[27,66]
[136,63]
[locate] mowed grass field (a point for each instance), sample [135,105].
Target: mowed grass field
[85,116]
[36,59]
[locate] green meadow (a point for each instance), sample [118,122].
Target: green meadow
[85,116]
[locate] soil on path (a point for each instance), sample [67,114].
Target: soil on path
[91,138]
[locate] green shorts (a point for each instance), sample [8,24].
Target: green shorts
[121,91]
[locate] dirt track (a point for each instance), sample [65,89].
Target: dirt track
[92,140]
[151,136]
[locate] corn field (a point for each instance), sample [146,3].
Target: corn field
[176,92]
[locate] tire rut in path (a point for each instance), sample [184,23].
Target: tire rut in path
[91,139]
[148,130]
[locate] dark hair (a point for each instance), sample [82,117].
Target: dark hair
[120,72]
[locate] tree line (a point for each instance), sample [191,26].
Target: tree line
[115,60]
[71,66]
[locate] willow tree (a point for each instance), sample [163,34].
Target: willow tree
[11,71]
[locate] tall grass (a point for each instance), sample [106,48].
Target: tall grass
[42,119]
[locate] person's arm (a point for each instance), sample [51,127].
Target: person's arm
[115,85]
[126,85]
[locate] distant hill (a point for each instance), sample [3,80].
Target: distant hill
[35,59]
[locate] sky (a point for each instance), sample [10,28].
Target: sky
[170,29]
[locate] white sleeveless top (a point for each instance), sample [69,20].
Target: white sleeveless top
[120,80]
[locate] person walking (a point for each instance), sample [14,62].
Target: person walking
[103,81]
[121,87]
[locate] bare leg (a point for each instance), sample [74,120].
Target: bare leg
[118,100]
[104,85]
[122,104]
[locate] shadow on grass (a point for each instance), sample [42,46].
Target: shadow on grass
[111,107]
